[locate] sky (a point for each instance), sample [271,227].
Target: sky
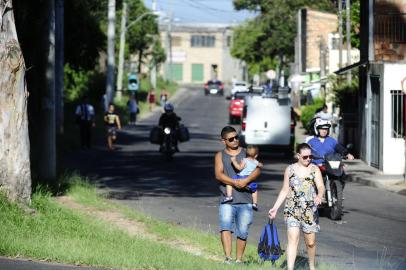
[199,11]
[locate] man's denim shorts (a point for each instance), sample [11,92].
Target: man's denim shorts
[236,216]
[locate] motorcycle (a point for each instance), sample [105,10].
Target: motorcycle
[332,170]
[168,147]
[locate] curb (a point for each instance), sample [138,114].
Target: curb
[393,183]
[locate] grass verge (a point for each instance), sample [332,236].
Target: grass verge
[79,233]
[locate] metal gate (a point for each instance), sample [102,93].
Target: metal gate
[375,122]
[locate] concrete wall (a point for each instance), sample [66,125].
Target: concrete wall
[333,56]
[393,148]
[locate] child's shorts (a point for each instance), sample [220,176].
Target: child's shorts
[251,186]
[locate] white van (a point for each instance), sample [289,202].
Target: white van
[267,123]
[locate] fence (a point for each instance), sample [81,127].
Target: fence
[390,28]
[398,115]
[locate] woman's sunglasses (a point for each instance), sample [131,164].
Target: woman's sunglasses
[236,137]
[307,157]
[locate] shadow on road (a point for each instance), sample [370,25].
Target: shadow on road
[138,169]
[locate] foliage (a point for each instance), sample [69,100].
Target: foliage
[355,24]
[143,36]
[268,40]
[85,37]
[344,93]
[75,82]
[308,112]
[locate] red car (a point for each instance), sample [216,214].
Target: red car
[236,107]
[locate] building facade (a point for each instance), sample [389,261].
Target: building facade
[197,53]
[382,96]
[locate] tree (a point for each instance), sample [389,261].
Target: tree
[141,35]
[355,24]
[15,173]
[269,38]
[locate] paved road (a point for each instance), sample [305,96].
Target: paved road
[371,235]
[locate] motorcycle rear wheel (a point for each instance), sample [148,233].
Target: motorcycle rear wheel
[336,210]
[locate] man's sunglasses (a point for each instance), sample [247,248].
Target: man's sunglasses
[307,157]
[236,137]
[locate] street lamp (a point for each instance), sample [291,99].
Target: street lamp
[124,29]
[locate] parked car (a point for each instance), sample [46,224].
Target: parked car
[267,123]
[214,87]
[236,106]
[239,86]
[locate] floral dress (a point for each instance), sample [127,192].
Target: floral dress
[300,210]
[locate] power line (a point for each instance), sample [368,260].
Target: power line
[201,5]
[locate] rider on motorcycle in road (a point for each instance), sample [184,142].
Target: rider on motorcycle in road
[322,144]
[171,120]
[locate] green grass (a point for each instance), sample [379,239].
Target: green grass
[61,234]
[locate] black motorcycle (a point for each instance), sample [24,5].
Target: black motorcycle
[332,170]
[168,143]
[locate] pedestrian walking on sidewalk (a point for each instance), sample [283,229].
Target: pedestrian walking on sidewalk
[85,118]
[303,189]
[163,98]
[235,216]
[133,110]
[151,99]
[112,121]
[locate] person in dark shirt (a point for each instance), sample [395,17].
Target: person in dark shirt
[171,120]
[85,117]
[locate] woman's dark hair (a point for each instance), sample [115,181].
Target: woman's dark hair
[302,146]
[226,130]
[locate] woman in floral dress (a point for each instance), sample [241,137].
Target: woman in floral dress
[303,190]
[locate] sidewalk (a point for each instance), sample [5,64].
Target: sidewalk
[359,172]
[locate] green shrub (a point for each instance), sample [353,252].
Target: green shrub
[345,95]
[75,82]
[308,111]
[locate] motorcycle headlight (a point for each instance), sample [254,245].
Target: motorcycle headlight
[167,131]
[334,164]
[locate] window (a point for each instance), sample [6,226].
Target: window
[228,41]
[202,41]
[398,114]
[176,41]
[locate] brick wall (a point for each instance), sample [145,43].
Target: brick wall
[318,26]
[390,30]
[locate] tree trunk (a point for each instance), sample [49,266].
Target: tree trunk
[47,159]
[140,53]
[111,32]
[15,173]
[59,60]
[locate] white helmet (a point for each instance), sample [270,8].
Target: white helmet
[321,124]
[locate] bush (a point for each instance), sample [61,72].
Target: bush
[345,95]
[308,112]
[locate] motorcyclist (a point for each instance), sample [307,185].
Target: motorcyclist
[322,144]
[171,120]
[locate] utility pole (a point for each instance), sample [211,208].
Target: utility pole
[168,44]
[322,58]
[121,53]
[111,15]
[340,33]
[59,59]
[47,160]
[348,27]
[153,69]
